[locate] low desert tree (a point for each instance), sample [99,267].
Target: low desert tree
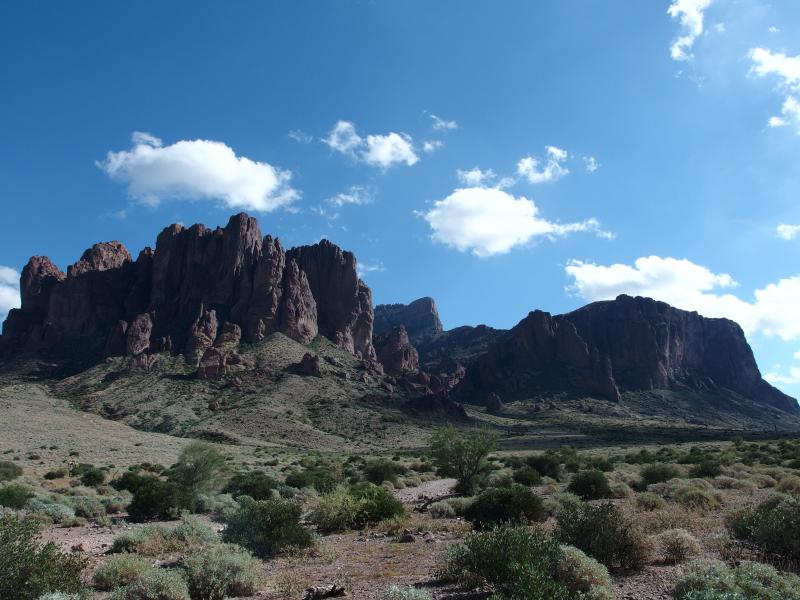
[462,454]
[200,469]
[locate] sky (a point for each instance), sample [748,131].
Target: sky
[497,156]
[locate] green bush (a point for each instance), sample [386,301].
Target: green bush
[442,510]
[515,504]
[603,533]
[462,454]
[714,580]
[773,526]
[547,464]
[93,477]
[378,471]
[378,503]
[321,478]
[130,480]
[658,473]
[221,570]
[55,511]
[267,527]
[192,531]
[589,485]
[200,469]
[29,569]
[521,564]
[157,584]
[88,506]
[56,474]
[676,545]
[706,468]
[354,508]
[14,496]
[394,592]
[648,501]
[9,470]
[695,497]
[120,570]
[256,484]
[527,476]
[154,540]
[156,499]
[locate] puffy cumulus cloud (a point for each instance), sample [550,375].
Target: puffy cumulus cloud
[198,169]
[550,169]
[690,14]
[9,290]
[787,232]
[772,311]
[378,150]
[440,124]
[475,177]
[786,69]
[489,221]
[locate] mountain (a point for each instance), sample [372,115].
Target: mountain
[420,318]
[198,287]
[624,345]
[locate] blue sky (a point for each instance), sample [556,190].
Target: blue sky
[499,157]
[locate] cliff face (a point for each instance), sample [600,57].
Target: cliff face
[627,344]
[420,318]
[178,296]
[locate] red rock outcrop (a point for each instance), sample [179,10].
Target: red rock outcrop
[620,345]
[171,298]
[494,403]
[310,365]
[395,352]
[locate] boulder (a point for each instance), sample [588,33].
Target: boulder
[309,365]
[395,352]
[494,403]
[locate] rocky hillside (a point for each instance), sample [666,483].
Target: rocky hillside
[624,345]
[199,293]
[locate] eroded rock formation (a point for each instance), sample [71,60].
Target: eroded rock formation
[395,352]
[176,296]
[420,318]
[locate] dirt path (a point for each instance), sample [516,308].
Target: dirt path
[425,492]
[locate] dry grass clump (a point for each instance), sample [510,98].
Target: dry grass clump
[676,545]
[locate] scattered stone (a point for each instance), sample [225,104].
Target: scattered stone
[318,592]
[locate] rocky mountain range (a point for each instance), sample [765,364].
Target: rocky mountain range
[201,293]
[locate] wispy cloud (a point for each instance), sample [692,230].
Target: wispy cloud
[690,14]
[786,70]
[475,177]
[440,124]
[787,232]
[551,168]
[9,290]
[364,269]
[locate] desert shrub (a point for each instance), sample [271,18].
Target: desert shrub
[200,469]
[55,511]
[789,485]
[320,478]
[604,533]
[14,496]
[266,527]
[706,468]
[621,489]
[114,505]
[130,481]
[527,476]
[378,503]
[120,570]
[676,545]
[335,511]
[150,540]
[221,570]
[394,592]
[156,584]
[773,526]
[659,472]
[441,510]
[462,454]
[28,568]
[584,577]
[378,471]
[460,505]
[516,504]
[762,480]
[513,561]
[55,474]
[714,580]
[560,500]
[92,477]
[695,497]
[192,532]
[589,485]
[649,501]
[59,596]
[88,506]
[256,484]
[9,470]
[547,465]
[155,499]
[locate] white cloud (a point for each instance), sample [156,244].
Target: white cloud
[432,145]
[787,232]
[591,163]
[690,15]
[442,124]
[791,377]
[552,170]
[772,311]
[475,177]
[300,136]
[787,71]
[198,169]
[489,221]
[356,194]
[378,150]
[9,291]
[773,29]
[364,269]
